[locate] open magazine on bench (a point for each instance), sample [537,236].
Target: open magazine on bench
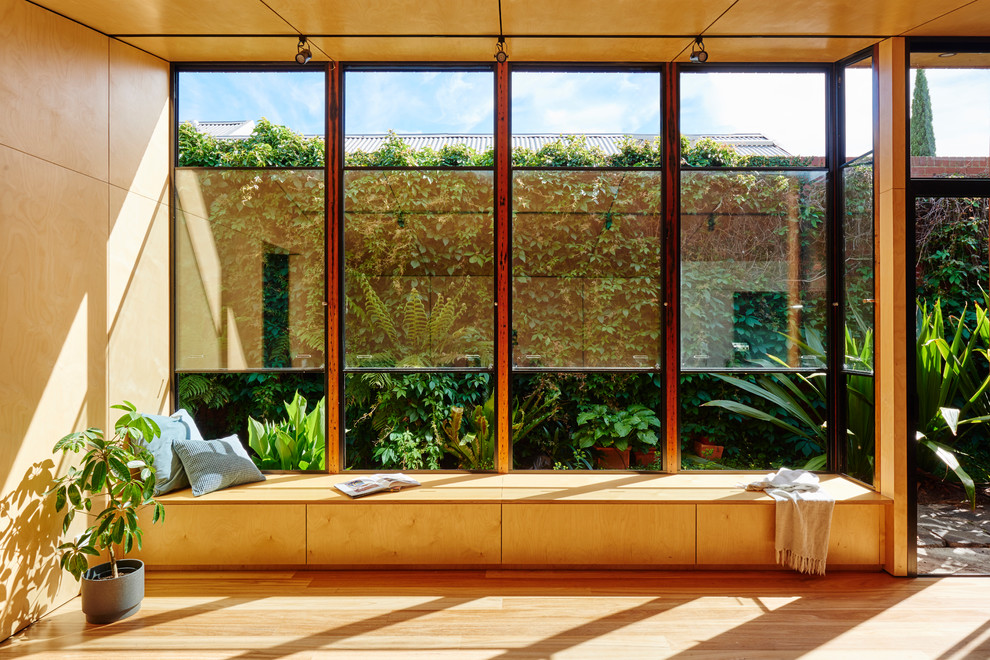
[375,483]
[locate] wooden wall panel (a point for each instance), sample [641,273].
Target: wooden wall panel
[744,535]
[734,534]
[892,330]
[54,88]
[237,535]
[139,122]
[368,533]
[855,536]
[138,302]
[53,233]
[631,534]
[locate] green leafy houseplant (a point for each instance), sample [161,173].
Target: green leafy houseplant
[601,426]
[298,443]
[116,473]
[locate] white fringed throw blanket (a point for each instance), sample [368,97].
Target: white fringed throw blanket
[803,518]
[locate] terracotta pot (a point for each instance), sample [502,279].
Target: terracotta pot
[610,458]
[646,458]
[705,450]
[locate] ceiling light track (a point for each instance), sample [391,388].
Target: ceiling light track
[543,37]
[500,55]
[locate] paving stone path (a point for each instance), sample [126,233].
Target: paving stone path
[953,540]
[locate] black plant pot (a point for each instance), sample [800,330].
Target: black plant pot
[106,599]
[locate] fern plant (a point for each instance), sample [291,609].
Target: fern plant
[416,336]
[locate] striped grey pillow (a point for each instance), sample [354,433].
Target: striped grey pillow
[215,464]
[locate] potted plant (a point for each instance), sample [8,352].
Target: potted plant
[115,474]
[704,448]
[614,432]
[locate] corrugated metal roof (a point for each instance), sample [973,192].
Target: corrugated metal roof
[745,144]
[225,129]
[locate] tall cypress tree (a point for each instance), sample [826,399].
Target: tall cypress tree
[922,131]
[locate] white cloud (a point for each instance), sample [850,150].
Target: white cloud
[788,108]
[859,111]
[419,102]
[579,102]
[960,110]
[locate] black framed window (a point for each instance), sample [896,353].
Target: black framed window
[754,269]
[418,268]
[249,257]
[587,227]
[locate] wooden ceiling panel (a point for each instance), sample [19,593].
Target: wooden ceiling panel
[594,50]
[972,20]
[373,17]
[221,49]
[172,16]
[957,61]
[618,17]
[779,49]
[471,26]
[384,49]
[830,17]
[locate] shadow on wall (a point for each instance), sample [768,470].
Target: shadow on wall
[30,575]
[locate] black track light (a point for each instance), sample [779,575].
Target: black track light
[698,52]
[303,54]
[500,54]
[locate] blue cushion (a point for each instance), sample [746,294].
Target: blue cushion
[169,474]
[215,464]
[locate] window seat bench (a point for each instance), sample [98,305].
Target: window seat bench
[526,520]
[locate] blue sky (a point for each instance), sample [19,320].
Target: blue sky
[960,110]
[787,107]
[290,99]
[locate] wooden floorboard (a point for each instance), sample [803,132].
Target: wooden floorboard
[503,614]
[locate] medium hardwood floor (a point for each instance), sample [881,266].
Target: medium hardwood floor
[530,614]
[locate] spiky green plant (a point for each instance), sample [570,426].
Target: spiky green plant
[953,384]
[297,443]
[474,450]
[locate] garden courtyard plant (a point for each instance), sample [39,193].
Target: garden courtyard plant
[297,443]
[952,394]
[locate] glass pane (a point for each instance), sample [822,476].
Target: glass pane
[419,118]
[950,115]
[419,268]
[753,264]
[249,269]
[586,257]
[753,118]
[222,404]
[857,181]
[421,421]
[584,118]
[584,421]
[858,99]
[952,246]
[860,419]
[251,118]
[722,424]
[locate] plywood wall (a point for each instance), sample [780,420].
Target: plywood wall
[69,194]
